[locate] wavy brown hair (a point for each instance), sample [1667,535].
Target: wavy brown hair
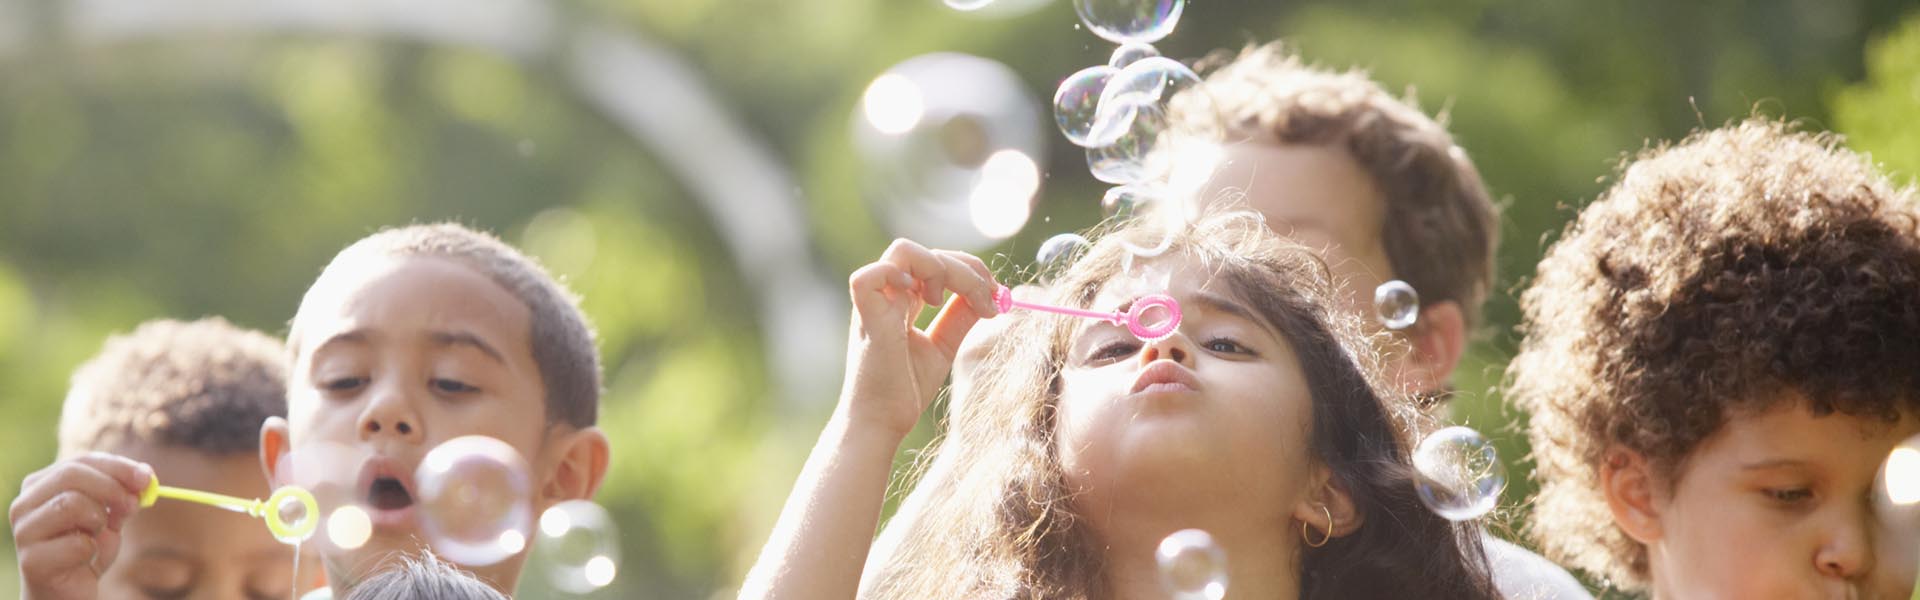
[999,524]
[1714,275]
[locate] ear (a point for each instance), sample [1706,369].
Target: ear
[1438,338]
[580,464]
[274,442]
[1327,500]
[1627,481]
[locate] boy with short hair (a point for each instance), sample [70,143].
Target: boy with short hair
[1719,353]
[414,336]
[1335,162]
[182,401]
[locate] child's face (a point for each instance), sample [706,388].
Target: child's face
[183,550]
[1317,196]
[1773,505]
[396,356]
[1188,431]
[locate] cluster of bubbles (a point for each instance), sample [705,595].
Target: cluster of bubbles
[1118,110]
[473,496]
[1458,473]
[1192,566]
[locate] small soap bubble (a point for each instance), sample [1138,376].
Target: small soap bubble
[1130,53]
[1122,21]
[1058,250]
[1459,473]
[1125,160]
[1397,305]
[475,500]
[968,5]
[1126,201]
[1076,102]
[579,547]
[1896,511]
[1150,81]
[1192,566]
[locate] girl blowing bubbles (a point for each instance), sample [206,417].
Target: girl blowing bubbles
[1084,446]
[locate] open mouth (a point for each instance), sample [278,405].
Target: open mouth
[387,493]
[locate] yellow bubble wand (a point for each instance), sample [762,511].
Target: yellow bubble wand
[268,510]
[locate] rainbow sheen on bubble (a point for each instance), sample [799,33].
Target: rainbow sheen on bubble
[1125,160]
[1129,53]
[1059,250]
[475,499]
[1076,102]
[1150,81]
[1192,566]
[1122,21]
[1458,473]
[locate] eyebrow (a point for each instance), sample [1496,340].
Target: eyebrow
[1774,463]
[355,336]
[462,338]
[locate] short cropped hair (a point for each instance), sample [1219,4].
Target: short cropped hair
[1440,229]
[1718,277]
[204,385]
[428,578]
[562,338]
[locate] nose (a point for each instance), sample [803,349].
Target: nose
[390,413]
[1848,551]
[1176,348]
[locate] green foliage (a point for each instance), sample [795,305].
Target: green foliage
[1881,115]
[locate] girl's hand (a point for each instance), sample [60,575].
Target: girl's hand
[893,369]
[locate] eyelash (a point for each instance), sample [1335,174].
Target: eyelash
[343,384]
[1119,349]
[1789,496]
[451,386]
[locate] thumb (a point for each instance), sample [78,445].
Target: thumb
[950,327]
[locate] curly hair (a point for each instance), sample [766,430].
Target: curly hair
[1712,276]
[1440,228]
[205,385]
[999,523]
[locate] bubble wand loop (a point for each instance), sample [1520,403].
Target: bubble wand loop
[1132,318]
[256,508]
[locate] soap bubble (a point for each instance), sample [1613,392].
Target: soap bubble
[1075,103]
[1397,305]
[579,547]
[1125,160]
[947,145]
[1122,21]
[1059,250]
[349,527]
[1459,473]
[1149,81]
[1122,202]
[968,5]
[1192,567]
[475,496]
[1896,508]
[1130,53]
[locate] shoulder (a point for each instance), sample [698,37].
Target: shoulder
[1522,575]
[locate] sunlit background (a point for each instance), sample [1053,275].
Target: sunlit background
[707,172]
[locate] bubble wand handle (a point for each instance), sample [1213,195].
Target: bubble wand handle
[301,528]
[1133,319]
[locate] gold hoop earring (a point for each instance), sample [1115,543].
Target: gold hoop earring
[1304,537]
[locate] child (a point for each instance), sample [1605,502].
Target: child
[1381,191]
[1082,446]
[418,335]
[183,401]
[1718,355]
[427,578]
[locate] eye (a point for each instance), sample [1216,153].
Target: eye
[1791,496]
[450,386]
[1227,345]
[343,384]
[1114,350]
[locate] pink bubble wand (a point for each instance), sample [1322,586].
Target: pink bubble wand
[1132,318]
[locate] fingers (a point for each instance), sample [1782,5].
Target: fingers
[938,271]
[108,480]
[50,558]
[65,513]
[950,327]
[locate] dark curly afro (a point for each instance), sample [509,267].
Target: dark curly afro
[205,385]
[1714,274]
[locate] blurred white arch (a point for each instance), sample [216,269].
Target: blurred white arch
[657,98]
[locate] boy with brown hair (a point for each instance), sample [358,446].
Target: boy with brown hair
[1380,189]
[414,336]
[182,401]
[1718,355]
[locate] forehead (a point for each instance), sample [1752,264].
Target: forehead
[1175,274]
[1316,190]
[1789,429]
[411,294]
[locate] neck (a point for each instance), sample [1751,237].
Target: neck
[1262,561]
